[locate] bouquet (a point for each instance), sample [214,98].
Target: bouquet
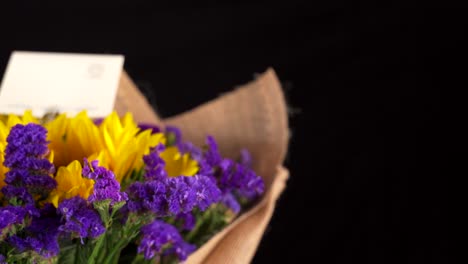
[114,190]
[78,190]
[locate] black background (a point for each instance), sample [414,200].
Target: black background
[363,86]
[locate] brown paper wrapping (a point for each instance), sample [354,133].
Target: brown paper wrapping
[253,116]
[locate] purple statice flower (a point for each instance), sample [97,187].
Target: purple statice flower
[189,192]
[145,126]
[172,196]
[2,259]
[154,164]
[250,184]
[15,215]
[80,219]
[174,135]
[230,201]
[160,238]
[25,157]
[195,152]
[181,249]
[208,160]
[106,187]
[41,236]
[20,194]
[188,220]
[245,158]
[147,196]
[237,178]
[98,121]
[206,190]
[181,195]
[212,155]
[19,243]
[232,176]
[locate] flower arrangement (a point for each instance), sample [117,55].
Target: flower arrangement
[78,190]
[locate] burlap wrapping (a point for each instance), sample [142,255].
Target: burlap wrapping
[253,116]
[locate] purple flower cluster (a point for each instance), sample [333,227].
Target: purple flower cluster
[106,187]
[195,152]
[205,190]
[212,156]
[146,126]
[230,201]
[173,134]
[237,178]
[29,174]
[147,196]
[245,158]
[14,215]
[172,196]
[160,238]
[233,176]
[185,193]
[208,160]
[29,178]
[154,164]
[80,219]
[234,179]
[188,220]
[41,235]
[20,194]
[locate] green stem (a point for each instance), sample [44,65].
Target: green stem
[102,253]
[77,253]
[97,249]
[133,232]
[117,248]
[127,233]
[197,227]
[137,259]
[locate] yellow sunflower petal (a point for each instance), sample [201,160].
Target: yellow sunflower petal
[177,164]
[70,183]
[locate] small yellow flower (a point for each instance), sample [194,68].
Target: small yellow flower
[178,164]
[70,183]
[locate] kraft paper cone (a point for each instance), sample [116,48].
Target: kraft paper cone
[252,116]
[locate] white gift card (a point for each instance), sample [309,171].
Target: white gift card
[60,82]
